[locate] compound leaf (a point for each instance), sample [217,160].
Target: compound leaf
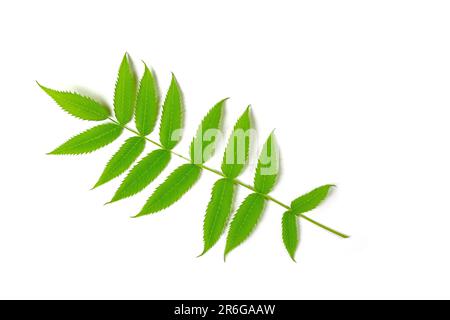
[172,189]
[245,220]
[203,145]
[311,200]
[172,116]
[268,167]
[147,103]
[77,105]
[125,92]
[90,140]
[290,233]
[142,174]
[217,212]
[122,159]
[237,150]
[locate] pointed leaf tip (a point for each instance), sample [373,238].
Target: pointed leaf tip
[147,103]
[125,92]
[290,233]
[142,174]
[77,105]
[268,166]
[90,140]
[245,221]
[236,154]
[172,189]
[217,212]
[172,116]
[311,200]
[122,159]
[203,147]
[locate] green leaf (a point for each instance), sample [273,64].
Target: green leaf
[204,143]
[290,233]
[90,140]
[125,92]
[147,103]
[122,159]
[171,190]
[142,174]
[268,167]
[172,116]
[77,105]
[311,200]
[236,153]
[245,220]
[217,212]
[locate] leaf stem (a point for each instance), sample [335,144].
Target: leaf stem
[340,234]
[236,181]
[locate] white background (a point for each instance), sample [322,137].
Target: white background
[359,94]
